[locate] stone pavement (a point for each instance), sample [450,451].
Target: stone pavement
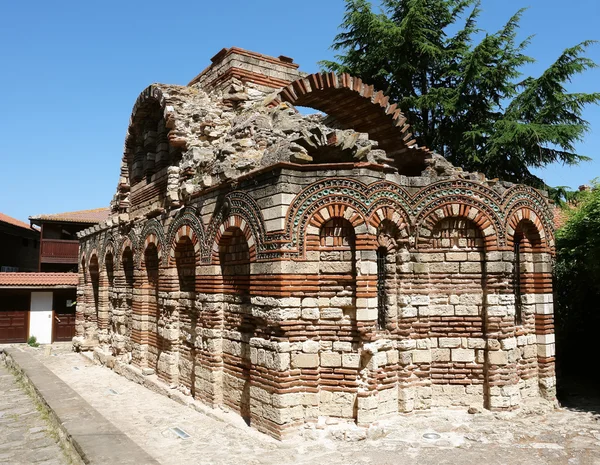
[24,434]
[532,436]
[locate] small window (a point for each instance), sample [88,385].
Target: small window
[381,300]
[517,285]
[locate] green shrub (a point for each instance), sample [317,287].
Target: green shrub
[32,341]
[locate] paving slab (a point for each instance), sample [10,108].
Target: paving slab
[84,430]
[25,435]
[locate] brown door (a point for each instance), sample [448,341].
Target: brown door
[64,326]
[13,326]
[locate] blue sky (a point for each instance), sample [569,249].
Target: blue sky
[71,71]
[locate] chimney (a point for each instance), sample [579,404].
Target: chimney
[267,73]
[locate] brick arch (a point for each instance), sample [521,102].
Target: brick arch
[522,218]
[151,100]
[185,230]
[152,233]
[234,221]
[524,213]
[108,244]
[127,241]
[394,216]
[358,106]
[429,219]
[318,217]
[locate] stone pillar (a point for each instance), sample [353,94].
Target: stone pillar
[501,379]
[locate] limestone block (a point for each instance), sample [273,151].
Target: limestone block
[456,256]
[463,355]
[443,267]
[310,302]
[423,343]
[408,312]
[470,267]
[305,360]
[392,357]
[405,358]
[466,310]
[422,356]
[440,355]
[419,299]
[546,350]
[529,351]
[331,313]
[545,338]
[471,299]
[310,346]
[449,342]
[508,343]
[407,344]
[331,359]
[420,268]
[366,314]
[341,301]
[350,360]
[311,313]
[341,346]
[498,357]
[475,343]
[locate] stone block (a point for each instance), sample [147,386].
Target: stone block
[332,313]
[305,360]
[546,350]
[311,313]
[456,256]
[440,355]
[422,356]
[498,357]
[310,347]
[449,342]
[331,359]
[466,310]
[463,355]
[351,360]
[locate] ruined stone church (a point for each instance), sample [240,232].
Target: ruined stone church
[291,267]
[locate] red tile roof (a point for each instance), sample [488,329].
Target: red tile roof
[10,220]
[38,279]
[83,216]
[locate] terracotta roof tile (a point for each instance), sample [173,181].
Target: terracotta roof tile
[38,279]
[82,216]
[10,220]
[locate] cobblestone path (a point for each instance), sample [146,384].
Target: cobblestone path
[24,436]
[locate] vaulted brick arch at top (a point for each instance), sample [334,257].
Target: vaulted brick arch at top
[231,224]
[526,224]
[325,214]
[149,144]
[456,210]
[358,106]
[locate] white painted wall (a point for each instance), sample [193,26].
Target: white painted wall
[40,317]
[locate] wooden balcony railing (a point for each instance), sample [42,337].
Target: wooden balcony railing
[59,251]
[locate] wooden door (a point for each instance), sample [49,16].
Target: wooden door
[64,326]
[13,326]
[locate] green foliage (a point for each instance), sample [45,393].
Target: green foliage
[32,341]
[577,273]
[465,99]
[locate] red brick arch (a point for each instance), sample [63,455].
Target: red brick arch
[525,215]
[328,212]
[390,214]
[468,212]
[234,221]
[184,231]
[360,107]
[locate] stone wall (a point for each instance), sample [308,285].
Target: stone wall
[289,268]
